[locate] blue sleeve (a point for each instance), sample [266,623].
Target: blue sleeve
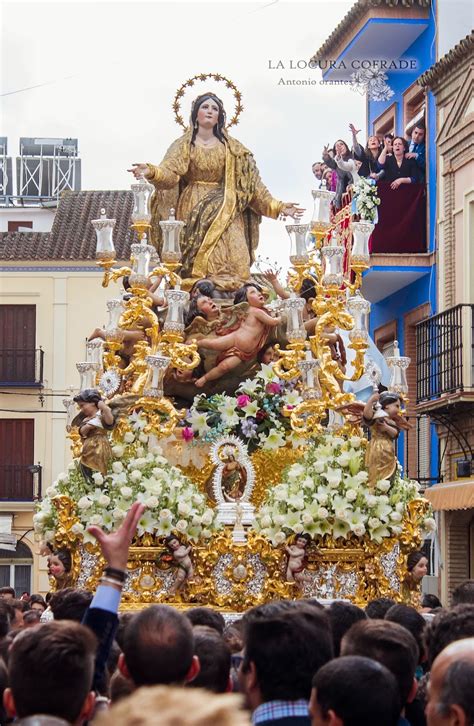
[106,598]
[421,158]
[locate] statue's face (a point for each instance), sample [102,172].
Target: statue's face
[207,307]
[255,297]
[420,569]
[55,566]
[88,408]
[208,113]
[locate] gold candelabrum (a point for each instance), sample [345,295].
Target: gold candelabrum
[318,253]
[135,336]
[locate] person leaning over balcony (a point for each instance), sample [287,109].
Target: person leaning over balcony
[398,168]
[368,156]
[417,147]
[344,178]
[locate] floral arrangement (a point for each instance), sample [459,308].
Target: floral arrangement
[138,472]
[366,200]
[257,414]
[326,493]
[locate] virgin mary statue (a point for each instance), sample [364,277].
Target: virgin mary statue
[213,183]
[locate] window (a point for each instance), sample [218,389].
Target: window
[18,351]
[15,568]
[19,226]
[413,107]
[17,459]
[387,122]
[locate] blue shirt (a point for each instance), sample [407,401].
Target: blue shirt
[273,710]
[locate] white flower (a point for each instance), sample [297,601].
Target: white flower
[274,440]
[266,521]
[249,386]
[307,518]
[430,524]
[71,466]
[63,477]
[184,508]
[136,475]
[151,502]
[295,471]
[266,373]
[118,514]
[51,491]
[118,450]
[383,485]
[250,409]
[96,519]
[292,398]
[371,500]
[333,477]
[374,522]
[98,478]
[207,517]
[359,530]
[199,423]
[165,514]
[117,467]
[206,533]
[279,538]
[129,437]
[126,492]
[84,503]
[397,530]
[143,438]
[323,513]
[319,466]
[355,441]
[396,517]
[104,500]
[351,495]
[181,525]
[77,528]
[146,523]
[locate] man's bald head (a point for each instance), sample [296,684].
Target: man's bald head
[450,699]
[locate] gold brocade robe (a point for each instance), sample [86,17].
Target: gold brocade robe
[218,193]
[96,451]
[380,457]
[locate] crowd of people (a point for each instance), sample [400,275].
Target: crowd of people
[391,159]
[281,663]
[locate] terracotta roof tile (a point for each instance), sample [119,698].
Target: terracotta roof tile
[72,236]
[441,68]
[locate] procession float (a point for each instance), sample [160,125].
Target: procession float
[247,416]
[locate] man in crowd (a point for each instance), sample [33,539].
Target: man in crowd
[318,171]
[450,696]
[283,650]
[354,691]
[464,593]
[7,593]
[417,146]
[159,648]
[391,645]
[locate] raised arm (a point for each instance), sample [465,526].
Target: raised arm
[276,284]
[265,318]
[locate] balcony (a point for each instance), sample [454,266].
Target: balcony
[401,228]
[21,368]
[445,358]
[20,483]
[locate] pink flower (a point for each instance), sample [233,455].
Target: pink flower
[243,400]
[187,433]
[273,388]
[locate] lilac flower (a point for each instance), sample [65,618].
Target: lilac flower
[249,427]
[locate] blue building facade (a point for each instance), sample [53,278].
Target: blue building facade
[401,286]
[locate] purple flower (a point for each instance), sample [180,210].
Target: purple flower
[187,433]
[249,427]
[273,388]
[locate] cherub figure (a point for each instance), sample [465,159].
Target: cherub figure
[59,567]
[180,553]
[93,420]
[380,455]
[243,343]
[297,559]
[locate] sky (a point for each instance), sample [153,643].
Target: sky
[106,73]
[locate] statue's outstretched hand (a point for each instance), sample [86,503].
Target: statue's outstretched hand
[291,209]
[115,546]
[140,170]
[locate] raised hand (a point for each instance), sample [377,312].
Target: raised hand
[139,170]
[353,129]
[115,546]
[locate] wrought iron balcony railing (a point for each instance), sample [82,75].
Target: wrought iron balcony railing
[445,353]
[21,368]
[20,483]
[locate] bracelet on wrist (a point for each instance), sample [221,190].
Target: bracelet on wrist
[120,575]
[111,581]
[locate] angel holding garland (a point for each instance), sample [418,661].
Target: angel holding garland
[212,181]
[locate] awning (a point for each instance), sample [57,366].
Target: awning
[451,495]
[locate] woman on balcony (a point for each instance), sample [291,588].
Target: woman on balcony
[344,178]
[398,169]
[368,156]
